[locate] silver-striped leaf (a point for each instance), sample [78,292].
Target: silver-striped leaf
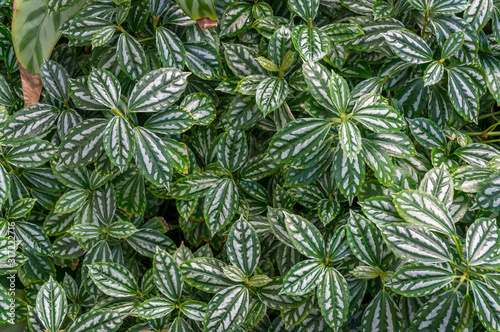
[167,275]
[51,305]
[415,243]
[151,157]
[157,90]
[420,208]
[382,314]
[421,279]
[303,277]
[441,312]
[305,237]
[243,247]
[118,141]
[481,241]
[221,204]
[408,46]
[333,298]
[227,310]
[113,279]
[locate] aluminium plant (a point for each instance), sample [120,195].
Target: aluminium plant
[230,165]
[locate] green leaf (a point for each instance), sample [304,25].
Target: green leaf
[452,44]
[380,210]
[379,162]
[194,309]
[232,150]
[31,154]
[487,197]
[365,240]
[168,275]
[220,204]
[121,229]
[86,231]
[157,90]
[242,60]
[243,247]
[130,192]
[303,277]
[311,43]
[382,314]
[104,87]
[470,178]
[317,78]
[439,183]
[30,122]
[305,9]
[433,73]
[35,31]
[201,107]
[379,118]
[350,139]
[421,279]
[304,236]
[491,67]
[55,80]
[236,20]
[351,175]
[481,241]
[396,145]
[408,46]
[171,121]
[463,94]
[271,93]
[339,32]
[478,14]
[5,184]
[442,310]
[97,319]
[269,295]
[427,133]
[113,279]
[170,49]
[193,186]
[51,305]
[155,308]
[467,313]
[151,157]
[328,210]
[119,142]
[71,201]
[415,243]
[333,298]
[419,208]
[131,56]
[226,311]
[83,143]
[103,36]
[20,208]
[146,240]
[198,9]
[202,59]
[487,304]
[288,145]
[206,273]
[267,65]
[477,153]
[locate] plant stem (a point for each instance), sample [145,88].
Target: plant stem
[479,133]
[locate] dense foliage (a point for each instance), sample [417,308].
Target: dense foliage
[306,165]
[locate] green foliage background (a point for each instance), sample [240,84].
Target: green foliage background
[306,165]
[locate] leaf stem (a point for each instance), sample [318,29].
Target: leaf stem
[479,133]
[146,39]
